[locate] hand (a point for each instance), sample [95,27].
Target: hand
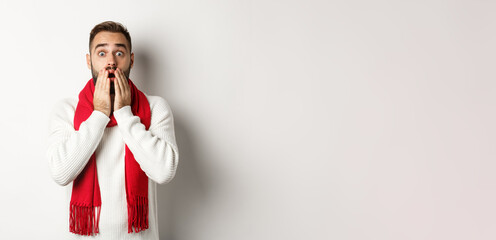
[101,96]
[122,90]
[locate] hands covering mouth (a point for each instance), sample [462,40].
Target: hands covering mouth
[111,94]
[111,70]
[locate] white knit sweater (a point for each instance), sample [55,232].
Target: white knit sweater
[154,149]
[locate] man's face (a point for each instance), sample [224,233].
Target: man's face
[110,51]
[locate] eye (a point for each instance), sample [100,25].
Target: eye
[119,54]
[101,54]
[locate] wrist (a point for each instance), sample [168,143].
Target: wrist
[106,112]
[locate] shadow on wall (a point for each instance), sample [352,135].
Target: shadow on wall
[180,200]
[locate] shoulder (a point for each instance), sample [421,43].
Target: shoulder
[158,103]
[160,110]
[65,106]
[63,110]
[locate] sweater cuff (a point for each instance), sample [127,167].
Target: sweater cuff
[123,113]
[99,117]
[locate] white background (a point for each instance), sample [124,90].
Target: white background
[294,119]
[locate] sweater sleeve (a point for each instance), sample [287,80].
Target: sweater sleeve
[69,150]
[154,149]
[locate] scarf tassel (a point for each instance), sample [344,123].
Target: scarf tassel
[138,215]
[84,220]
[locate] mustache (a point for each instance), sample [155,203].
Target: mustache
[111,75]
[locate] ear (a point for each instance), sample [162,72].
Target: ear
[132,60]
[88,61]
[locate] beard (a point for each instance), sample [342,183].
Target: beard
[94,74]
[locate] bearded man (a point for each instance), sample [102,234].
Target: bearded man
[111,146]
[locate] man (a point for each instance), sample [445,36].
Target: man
[111,146]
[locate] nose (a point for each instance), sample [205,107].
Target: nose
[111,61]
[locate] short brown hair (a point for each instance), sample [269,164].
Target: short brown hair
[110,26]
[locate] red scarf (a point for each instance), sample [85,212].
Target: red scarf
[85,200]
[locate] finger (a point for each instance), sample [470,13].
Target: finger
[125,84]
[97,82]
[106,83]
[121,80]
[101,79]
[104,78]
[117,86]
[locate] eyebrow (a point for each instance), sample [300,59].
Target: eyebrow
[106,44]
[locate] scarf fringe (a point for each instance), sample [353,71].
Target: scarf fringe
[84,220]
[138,215]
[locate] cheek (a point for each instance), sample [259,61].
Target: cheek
[97,65]
[124,64]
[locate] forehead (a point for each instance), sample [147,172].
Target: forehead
[110,38]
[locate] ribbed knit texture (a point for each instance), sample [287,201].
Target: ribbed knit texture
[155,150]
